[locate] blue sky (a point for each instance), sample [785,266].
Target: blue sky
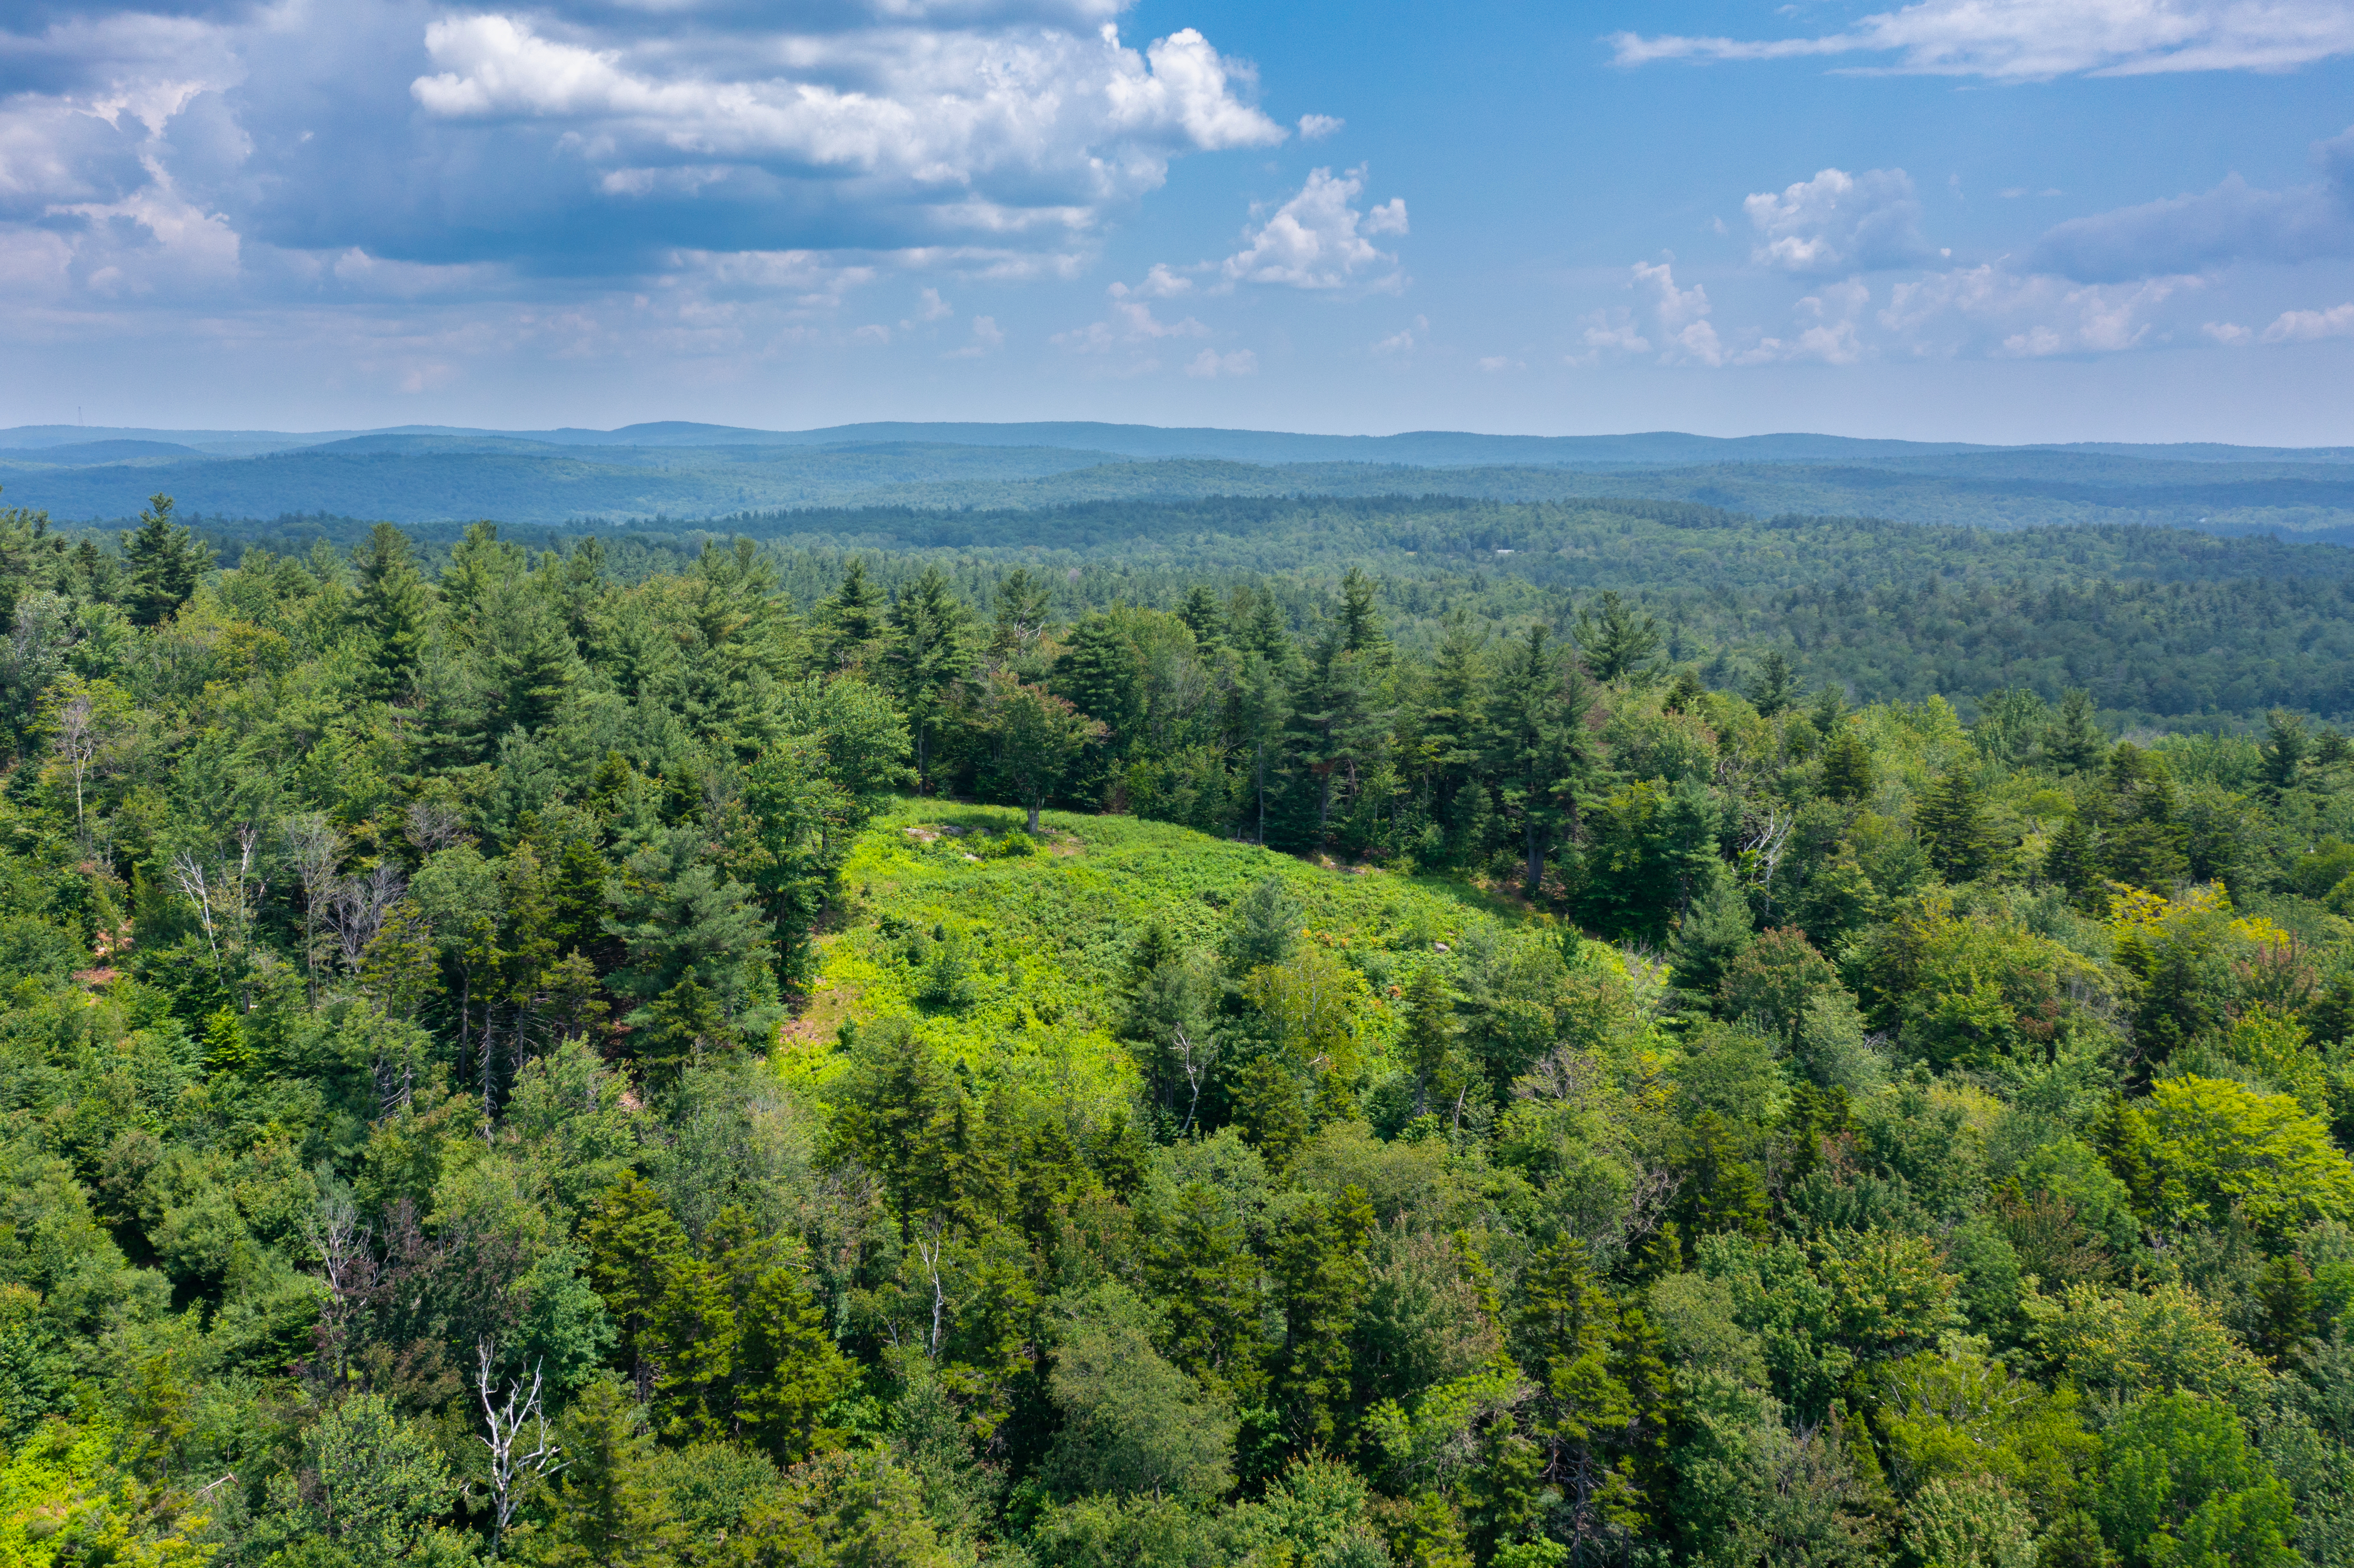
[1979,220]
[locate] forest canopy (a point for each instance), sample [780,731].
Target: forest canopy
[881,1048]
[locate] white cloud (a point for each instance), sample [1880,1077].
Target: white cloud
[2229,334]
[2003,315]
[985,132]
[1400,344]
[1609,335]
[2232,222]
[932,307]
[1134,324]
[2312,326]
[1209,363]
[2035,40]
[1685,334]
[1494,363]
[1316,127]
[1827,330]
[986,337]
[1159,283]
[1313,241]
[1838,223]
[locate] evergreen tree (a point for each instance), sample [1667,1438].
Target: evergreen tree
[1427,1044]
[852,620]
[1951,822]
[1539,747]
[1361,617]
[606,1510]
[393,608]
[1846,766]
[1203,618]
[166,563]
[2074,744]
[1614,638]
[925,660]
[1203,1271]
[1026,602]
[1775,686]
[2285,747]
[1316,1264]
[2072,860]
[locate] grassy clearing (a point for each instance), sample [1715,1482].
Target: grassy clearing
[1045,927]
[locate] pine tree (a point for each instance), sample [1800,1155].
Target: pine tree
[2073,743]
[1317,1263]
[166,563]
[606,1510]
[1951,822]
[1614,638]
[635,1247]
[1026,602]
[1198,1256]
[1361,617]
[925,660]
[2285,747]
[851,620]
[1203,618]
[1427,1044]
[1538,745]
[1569,1327]
[1775,686]
[2072,860]
[1847,773]
[393,608]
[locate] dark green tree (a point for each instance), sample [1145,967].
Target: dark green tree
[1775,684]
[1614,638]
[394,607]
[2073,743]
[1538,744]
[927,660]
[1951,822]
[165,561]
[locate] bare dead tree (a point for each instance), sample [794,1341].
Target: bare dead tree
[77,743]
[348,1257]
[313,847]
[1196,1072]
[932,1247]
[508,1466]
[188,875]
[356,909]
[434,825]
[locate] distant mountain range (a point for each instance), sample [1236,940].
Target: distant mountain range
[674,474]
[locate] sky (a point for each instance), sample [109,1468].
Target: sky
[1999,220]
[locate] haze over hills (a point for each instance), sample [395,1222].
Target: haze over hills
[675,473]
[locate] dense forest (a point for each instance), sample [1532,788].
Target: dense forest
[2162,627]
[843,1055]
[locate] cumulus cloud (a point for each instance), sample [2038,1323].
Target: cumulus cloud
[2036,40]
[1162,283]
[1609,334]
[2232,222]
[1133,322]
[1686,335]
[987,336]
[980,135]
[1838,223]
[1210,364]
[1317,239]
[2004,314]
[1316,127]
[254,153]
[2311,326]
[1827,331]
